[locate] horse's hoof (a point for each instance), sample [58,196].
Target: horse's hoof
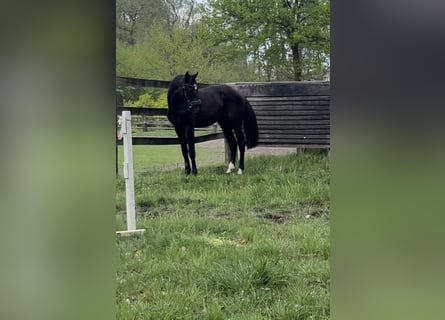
[240,171]
[187,171]
[194,172]
[230,168]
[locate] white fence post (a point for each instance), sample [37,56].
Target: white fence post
[128,176]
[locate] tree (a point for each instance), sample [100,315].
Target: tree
[182,13]
[132,16]
[283,39]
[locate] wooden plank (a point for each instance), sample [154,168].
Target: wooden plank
[171,140]
[300,117]
[293,137]
[296,131]
[277,132]
[293,122]
[286,89]
[135,82]
[264,126]
[278,114]
[271,109]
[293,88]
[293,141]
[155,140]
[295,145]
[294,134]
[290,120]
[280,135]
[290,104]
[129,233]
[290,107]
[306,132]
[144,111]
[166,125]
[277,104]
[285,98]
[145,83]
[287,113]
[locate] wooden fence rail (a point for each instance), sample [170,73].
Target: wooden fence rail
[139,140]
[289,114]
[141,111]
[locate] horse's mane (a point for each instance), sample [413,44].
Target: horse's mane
[177,82]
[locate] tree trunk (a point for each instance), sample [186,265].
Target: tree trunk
[296,59]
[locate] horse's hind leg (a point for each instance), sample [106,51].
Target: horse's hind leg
[230,138]
[242,148]
[183,141]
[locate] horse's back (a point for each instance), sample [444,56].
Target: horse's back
[221,103]
[221,93]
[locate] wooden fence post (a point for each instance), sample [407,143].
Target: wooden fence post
[119,103]
[144,124]
[129,176]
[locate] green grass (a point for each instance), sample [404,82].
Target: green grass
[157,158]
[221,246]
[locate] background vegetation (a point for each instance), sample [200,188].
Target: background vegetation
[225,40]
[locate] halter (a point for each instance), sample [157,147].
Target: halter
[191,103]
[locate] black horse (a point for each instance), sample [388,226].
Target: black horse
[190,108]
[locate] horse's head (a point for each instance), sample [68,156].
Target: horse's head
[183,99]
[190,78]
[191,90]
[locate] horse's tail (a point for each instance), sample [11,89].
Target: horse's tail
[250,125]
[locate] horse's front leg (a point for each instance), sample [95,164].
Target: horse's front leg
[180,132]
[191,144]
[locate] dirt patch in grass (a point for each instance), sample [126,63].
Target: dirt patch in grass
[219,145]
[276,217]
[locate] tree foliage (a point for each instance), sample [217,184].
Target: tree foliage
[133,16]
[285,40]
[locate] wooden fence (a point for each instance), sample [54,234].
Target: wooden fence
[139,140]
[289,114]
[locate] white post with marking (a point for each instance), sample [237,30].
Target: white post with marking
[128,176]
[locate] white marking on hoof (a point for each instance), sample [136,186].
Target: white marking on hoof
[230,168]
[240,171]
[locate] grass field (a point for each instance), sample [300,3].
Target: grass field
[220,246]
[161,158]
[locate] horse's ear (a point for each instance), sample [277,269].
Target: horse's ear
[194,75]
[186,77]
